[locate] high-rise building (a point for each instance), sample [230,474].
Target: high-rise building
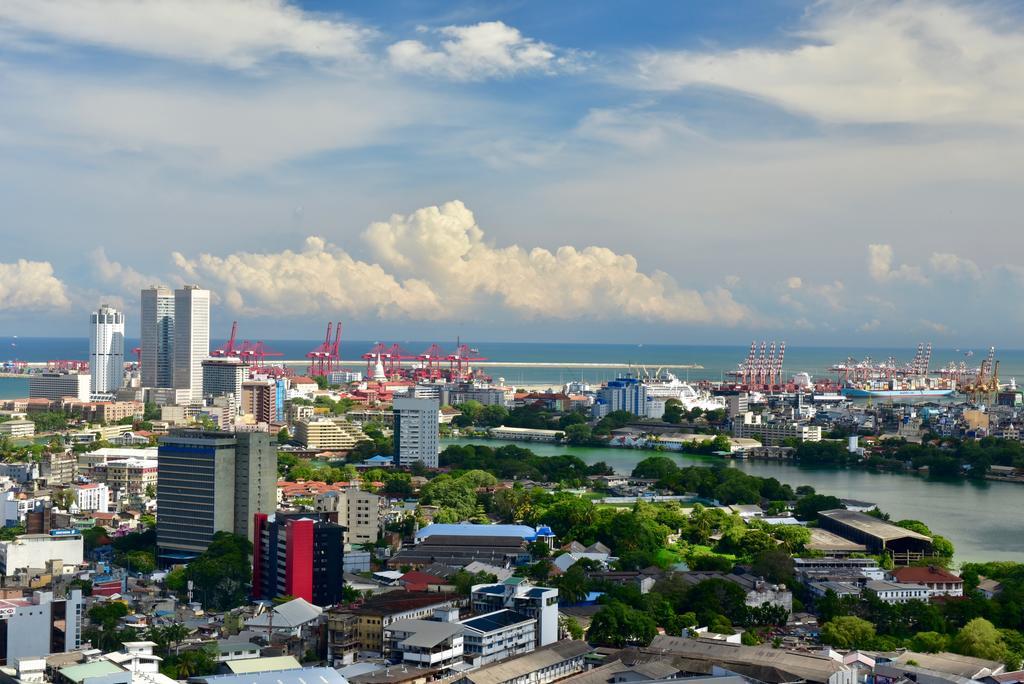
[106,350]
[417,431]
[299,555]
[357,510]
[224,376]
[259,399]
[209,482]
[39,625]
[157,335]
[55,385]
[191,339]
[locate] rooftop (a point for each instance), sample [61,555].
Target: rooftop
[514,668]
[499,619]
[469,529]
[99,668]
[425,633]
[928,575]
[255,665]
[871,525]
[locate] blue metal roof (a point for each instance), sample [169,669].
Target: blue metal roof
[471,530]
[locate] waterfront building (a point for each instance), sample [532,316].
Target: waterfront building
[298,555]
[211,482]
[774,432]
[622,394]
[224,376]
[331,434]
[905,546]
[106,350]
[55,385]
[517,594]
[417,431]
[191,339]
[357,510]
[157,336]
[18,428]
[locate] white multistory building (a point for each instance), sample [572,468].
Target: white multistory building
[156,333]
[224,376]
[417,431]
[106,350]
[56,385]
[191,339]
[92,497]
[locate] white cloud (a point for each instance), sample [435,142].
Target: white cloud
[633,128]
[444,246]
[435,264]
[954,266]
[115,273]
[319,278]
[794,282]
[245,128]
[880,266]
[31,286]
[490,49]
[232,33]
[870,326]
[872,62]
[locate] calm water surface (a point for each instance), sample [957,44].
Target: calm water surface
[985,521]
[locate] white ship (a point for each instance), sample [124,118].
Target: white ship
[665,385]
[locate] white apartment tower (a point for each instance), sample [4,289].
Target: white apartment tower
[191,339]
[417,431]
[106,350]
[157,336]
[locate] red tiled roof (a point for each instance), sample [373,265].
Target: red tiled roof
[929,575]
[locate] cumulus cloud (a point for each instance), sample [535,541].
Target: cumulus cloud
[320,277]
[490,49]
[235,34]
[31,286]
[436,264]
[445,246]
[872,62]
[954,266]
[880,266]
[794,282]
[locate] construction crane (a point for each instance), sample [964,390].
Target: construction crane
[229,348]
[431,361]
[458,363]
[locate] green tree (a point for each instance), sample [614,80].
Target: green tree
[673,411]
[929,642]
[809,506]
[283,436]
[619,625]
[847,631]
[980,638]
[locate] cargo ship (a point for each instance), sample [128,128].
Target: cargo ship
[922,386]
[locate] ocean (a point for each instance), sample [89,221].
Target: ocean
[715,360]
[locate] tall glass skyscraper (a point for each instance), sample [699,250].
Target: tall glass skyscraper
[191,339]
[106,350]
[157,335]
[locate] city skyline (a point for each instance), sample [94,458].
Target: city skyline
[651,173]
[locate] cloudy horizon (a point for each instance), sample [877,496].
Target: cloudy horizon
[823,172]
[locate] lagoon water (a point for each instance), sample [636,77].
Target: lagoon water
[984,520]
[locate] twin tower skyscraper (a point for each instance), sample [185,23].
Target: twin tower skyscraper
[175,336]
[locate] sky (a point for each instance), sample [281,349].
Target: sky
[594,171]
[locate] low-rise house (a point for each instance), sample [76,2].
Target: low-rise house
[425,643]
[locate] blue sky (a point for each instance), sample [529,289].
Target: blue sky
[825,172]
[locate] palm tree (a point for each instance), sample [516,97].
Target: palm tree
[175,633]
